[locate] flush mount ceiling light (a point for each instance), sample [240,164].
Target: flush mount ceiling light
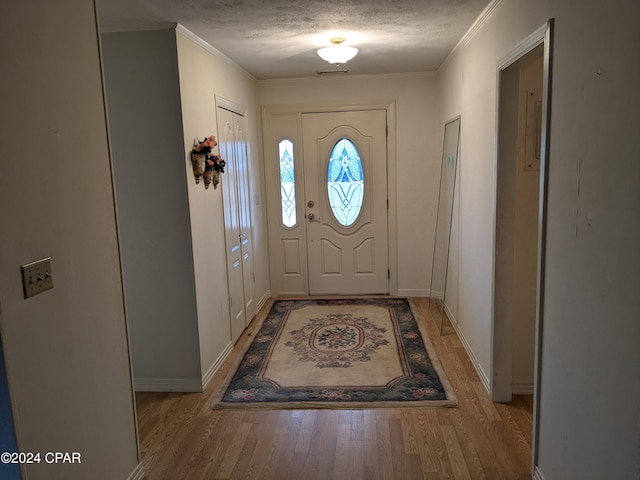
[337,54]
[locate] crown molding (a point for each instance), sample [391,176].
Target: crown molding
[212,50]
[486,14]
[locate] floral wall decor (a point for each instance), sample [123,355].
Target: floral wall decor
[207,164]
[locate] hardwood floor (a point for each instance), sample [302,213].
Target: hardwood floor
[182,438]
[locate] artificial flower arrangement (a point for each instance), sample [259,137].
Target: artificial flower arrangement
[207,164]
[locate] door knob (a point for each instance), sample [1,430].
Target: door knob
[312,217]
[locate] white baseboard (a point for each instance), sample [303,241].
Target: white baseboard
[537,474]
[450,315]
[167,385]
[181,384]
[137,474]
[216,365]
[413,292]
[435,294]
[265,298]
[484,378]
[522,388]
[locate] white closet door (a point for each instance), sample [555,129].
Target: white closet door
[237,215]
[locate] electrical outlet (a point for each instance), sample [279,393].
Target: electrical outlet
[37,277]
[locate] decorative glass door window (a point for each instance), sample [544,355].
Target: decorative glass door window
[287,184]
[345,182]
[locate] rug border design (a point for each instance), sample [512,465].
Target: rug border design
[450,401]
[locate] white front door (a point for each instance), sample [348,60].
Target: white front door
[345,182]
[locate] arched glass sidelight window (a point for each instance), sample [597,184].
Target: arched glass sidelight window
[345,182]
[287,184]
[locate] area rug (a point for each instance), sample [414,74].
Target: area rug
[337,353]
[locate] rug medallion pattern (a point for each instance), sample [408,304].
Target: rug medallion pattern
[337,353]
[336,340]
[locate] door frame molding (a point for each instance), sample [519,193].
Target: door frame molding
[543,35]
[392,218]
[231,106]
[501,384]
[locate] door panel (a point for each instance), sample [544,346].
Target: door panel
[364,257]
[351,259]
[244,209]
[291,247]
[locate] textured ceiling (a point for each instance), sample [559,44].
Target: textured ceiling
[278,39]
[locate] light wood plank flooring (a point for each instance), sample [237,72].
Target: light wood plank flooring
[182,438]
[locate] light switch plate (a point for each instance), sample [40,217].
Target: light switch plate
[37,277]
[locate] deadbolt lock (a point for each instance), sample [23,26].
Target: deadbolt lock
[310,203]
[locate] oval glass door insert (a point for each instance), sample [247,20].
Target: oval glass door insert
[345,182]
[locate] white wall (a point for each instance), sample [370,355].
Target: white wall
[525,261]
[161,88]
[590,418]
[66,349]
[589,410]
[203,76]
[143,98]
[468,86]
[418,138]
[501,372]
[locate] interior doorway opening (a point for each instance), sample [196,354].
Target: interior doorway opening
[516,234]
[540,43]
